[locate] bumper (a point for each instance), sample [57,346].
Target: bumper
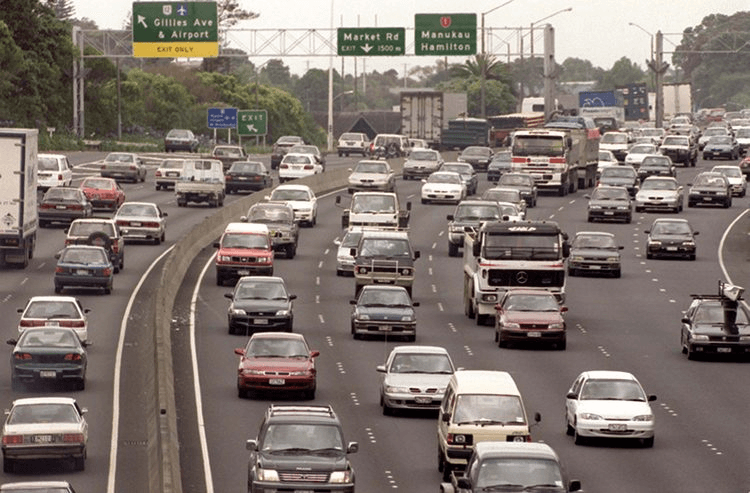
[119,175]
[131,233]
[599,215]
[62,216]
[104,204]
[250,324]
[417,173]
[393,281]
[671,251]
[708,199]
[263,383]
[533,336]
[456,238]
[619,429]
[55,451]
[375,327]
[352,150]
[34,374]
[70,281]
[594,267]
[716,348]
[280,487]
[237,271]
[411,401]
[245,185]
[441,197]
[659,205]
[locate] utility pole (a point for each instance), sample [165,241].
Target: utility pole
[659,67]
[550,72]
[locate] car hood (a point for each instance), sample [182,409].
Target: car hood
[441,186]
[422,380]
[367,177]
[719,147]
[608,203]
[618,181]
[245,252]
[717,329]
[594,252]
[303,462]
[385,312]
[614,409]
[276,364]
[264,305]
[533,317]
[662,194]
[673,238]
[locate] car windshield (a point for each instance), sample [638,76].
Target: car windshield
[119,158]
[48,338]
[714,131]
[713,312]
[476,151]
[377,168]
[227,152]
[305,149]
[385,247]
[28,414]
[722,140]
[642,149]
[148,210]
[469,212]
[501,157]
[518,247]
[52,309]
[652,132]
[732,171]
[351,239]
[743,133]
[46,163]
[594,241]
[710,181]
[421,363]
[98,184]
[675,141]
[270,215]
[612,138]
[606,156]
[172,164]
[302,438]
[86,256]
[655,162]
[272,347]
[247,168]
[286,194]
[383,297]
[609,193]
[457,168]
[87,228]
[659,185]
[444,178]
[241,240]
[351,136]
[297,159]
[618,172]
[516,180]
[488,409]
[178,134]
[612,389]
[248,290]
[518,474]
[289,140]
[423,156]
[502,195]
[531,303]
[671,228]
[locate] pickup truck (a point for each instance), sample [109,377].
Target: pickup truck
[202,181]
[228,154]
[379,209]
[525,465]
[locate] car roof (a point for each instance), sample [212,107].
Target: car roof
[659,178]
[84,247]
[44,400]
[277,335]
[94,220]
[609,375]
[45,154]
[515,449]
[385,233]
[246,228]
[484,382]
[594,233]
[529,291]
[25,485]
[268,279]
[420,349]
[292,186]
[670,220]
[72,299]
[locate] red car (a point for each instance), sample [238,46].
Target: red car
[530,316]
[276,362]
[103,193]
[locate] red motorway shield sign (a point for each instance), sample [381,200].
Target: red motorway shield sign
[445,21]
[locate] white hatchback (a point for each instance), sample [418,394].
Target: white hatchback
[55,311]
[53,170]
[296,165]
[301,198]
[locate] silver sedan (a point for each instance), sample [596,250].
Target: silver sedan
[142,221]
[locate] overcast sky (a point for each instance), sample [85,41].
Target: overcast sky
[594,30]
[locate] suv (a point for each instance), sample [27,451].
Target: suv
[319,460]
[279,217]
[99,232]
[681,148]
[282,146]
[351,143]
[384,257]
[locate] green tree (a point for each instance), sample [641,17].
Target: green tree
[577,69]
[64,9]
[623,72]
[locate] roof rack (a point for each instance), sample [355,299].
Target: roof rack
[287,410]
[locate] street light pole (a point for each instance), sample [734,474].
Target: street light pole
[483,66]
[650,35]
[531,28]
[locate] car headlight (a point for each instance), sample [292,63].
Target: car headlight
[511,325]
[406,271]
[489,298]
[237,312]
[362,316]
[301,373]
[700,337]
[644,417]
[557,326]
[407,318]
[623,208]
[654,243]
[392,389]
[268,475]
[283,313]
[341,477]
[596,207]
[253,372]
[613,259]
[576,259]
[688,243]
[722,192]
[264,259]
[591,417]
[225,258]
[744,338]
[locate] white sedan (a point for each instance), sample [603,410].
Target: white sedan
[45,428]
[142,221]
[55,311]
[638,152]
[297,165]
[301,198]
[443,186]
[609,404]
[736,178]
[660,193]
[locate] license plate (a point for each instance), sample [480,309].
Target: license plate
[716,153]
[47,373]
[260,321]
[535,334]
[617,427]
[51,323]
[42,439]
[63,207]
[707,199]
[385,328]
[671,249]
[595,267]
[609,213]
[244,272]
[242,178]
[423,400]
[136,225]
[276,381]
[172,174]
[723,350]
[82,272]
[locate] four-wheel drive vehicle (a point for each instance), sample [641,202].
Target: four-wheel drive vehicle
[353,143]
[680,148]
[495,466]
[279,218]
[384,257]
[244,249]
[478,406]
[99,232]
[379,209]
[202,180]
[228,154]
[300,449]
[282,146]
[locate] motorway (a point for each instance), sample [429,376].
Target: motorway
[630,324]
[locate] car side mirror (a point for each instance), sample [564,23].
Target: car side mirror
[571,395]
[537,417]
[417,254]
[574,485]
[463,483]
[239,351]
[563,309]
[415,303]
[217,244]
[695,233]
[446,417]
[352,302]
[229,296]
[352,448]
[449,217]
[380,368]
[651,398]
[12,342]
[314,354]
[292,297]
[251,445]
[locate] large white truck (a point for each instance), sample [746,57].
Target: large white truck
[424,113]
[19,219]
[374,209]
[678,99]
[503,255]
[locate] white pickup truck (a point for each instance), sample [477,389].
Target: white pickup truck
[201,181]
[379,209]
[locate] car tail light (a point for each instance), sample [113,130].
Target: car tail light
[45,206]
[285,166]
[12,439]
[150,225]
[22,356]
[227,177]
[72,323]
[72,437]
[115,247]
[59,270]
[31,323]
[72,357]
[133,167]
[75,207]
[122,223]
[59,177]
[157,173]
[308,166]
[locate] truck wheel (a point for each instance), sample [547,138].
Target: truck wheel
[562,191]
[291,250]
[452,250]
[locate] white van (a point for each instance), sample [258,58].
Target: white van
[478,406]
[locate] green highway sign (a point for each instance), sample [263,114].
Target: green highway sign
[371,41]
[175,29]
[445,34]
[252,122]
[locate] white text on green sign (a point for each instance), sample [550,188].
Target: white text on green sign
[371,41]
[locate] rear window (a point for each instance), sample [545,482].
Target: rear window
[87,228]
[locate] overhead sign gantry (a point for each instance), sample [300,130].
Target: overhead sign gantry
[175,29]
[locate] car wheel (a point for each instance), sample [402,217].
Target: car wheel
[578,439]
[108,290]
[568,429]
[572,272]
[648,442]
[446,471]
[561,345]
[242,393]
[628,219]
[638,209]
[16,385]
[481,319]
[387,410]
[8,466]
[649,255]
[691,204]
[692,257]
[79,463]
[219,280]
[424,201]
[309,394]
[58,289]
[81,384]
[616,273]
[691,355]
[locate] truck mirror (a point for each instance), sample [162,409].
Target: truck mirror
[446,417]
[568,142]
[476,249]
[464,483]
[566,249]
[408,206]
[338,199]
[416,254]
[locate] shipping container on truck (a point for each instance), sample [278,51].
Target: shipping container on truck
[425,113]
[18,200]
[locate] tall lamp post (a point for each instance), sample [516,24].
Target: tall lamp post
[531,27]
[483,74]
[650,35]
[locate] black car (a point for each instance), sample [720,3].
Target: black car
[247,175]
[709,188]
[279,217]
[83,266]
[610,203]
[500,164]
[670,238]
[48,355]
[179,139]
[594,252]
[260,303]
[706,330]
[656,166]
[63,205]
[524,183]
[620,176]
[477,156]
[384,310]
[301,448]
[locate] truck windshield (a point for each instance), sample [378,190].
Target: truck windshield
[478,409]
[538,146]
[385,247]
[520,471]
[521,247]
[373,203]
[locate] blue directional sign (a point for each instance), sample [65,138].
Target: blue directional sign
[222,118]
